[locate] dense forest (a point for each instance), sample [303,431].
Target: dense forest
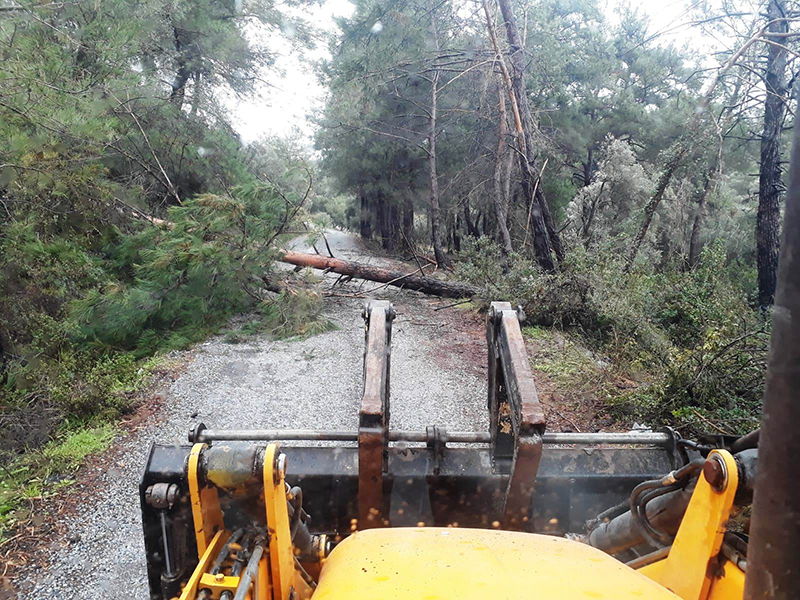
[556,154]
[134,220]
[575,161]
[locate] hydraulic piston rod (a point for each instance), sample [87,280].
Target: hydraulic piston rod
[468,437]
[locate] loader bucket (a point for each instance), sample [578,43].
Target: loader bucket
[515,476]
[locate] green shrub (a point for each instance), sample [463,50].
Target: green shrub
[188,277]
[38,275]
[690,336]
[294,314]
[715,372]
[80,382]
[77,314]
[482,263]
[45,376]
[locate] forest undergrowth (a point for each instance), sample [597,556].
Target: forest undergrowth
[690,339]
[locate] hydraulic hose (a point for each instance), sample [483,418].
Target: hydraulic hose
[610,513]
[665,502]
[250,572]
[640,519]
[226,550]
[649,490]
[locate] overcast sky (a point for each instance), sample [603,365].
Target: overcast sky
[295,93]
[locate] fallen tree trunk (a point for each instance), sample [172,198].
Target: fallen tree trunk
[409,281]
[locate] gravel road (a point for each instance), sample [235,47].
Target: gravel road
[438,377]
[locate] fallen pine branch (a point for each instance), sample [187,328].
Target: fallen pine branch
[453,304]
[409,281]
[272,285]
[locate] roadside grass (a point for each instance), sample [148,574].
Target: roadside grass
[466,304]
[41,472]
[569,365]
[573,369]
[70,453]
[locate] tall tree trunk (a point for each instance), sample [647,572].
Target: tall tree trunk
[183,72]
[536,219]
[472,227]
[673,162]
[508,169]
[436,234]
[769,175]
[395,235]
[694,240]
[179,85]
[489,223]
[365,217]
[380,219]
[196,93]
[665,250]
[588,167]
[541,218]
[500,195]
[408,218]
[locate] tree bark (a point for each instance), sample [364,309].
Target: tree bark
[182,74]
[179,86]
[769,175]
[395,231]
[436,233]
[380,220]
[541,218]
[500,195]
[472,227]
[196,93]
[508,170]
[589,167]
[694,240]
[365,217]
[409,281]
[650,208]
[408,218]
[489,226]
